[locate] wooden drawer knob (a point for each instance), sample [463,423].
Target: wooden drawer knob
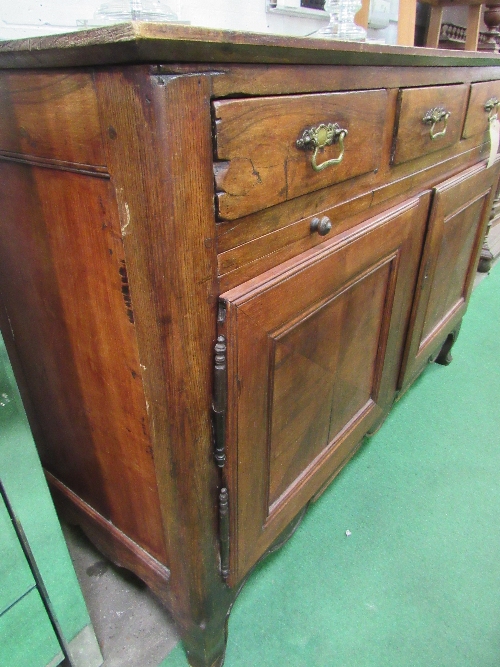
[322,226]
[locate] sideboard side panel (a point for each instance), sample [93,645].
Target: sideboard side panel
[53,116]
[62,272]
[157,132]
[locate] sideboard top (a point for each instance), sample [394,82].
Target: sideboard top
[137,42]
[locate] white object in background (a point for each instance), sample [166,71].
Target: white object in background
[380,14]
[288,4]
[295,9]
[342,24]
[118,11]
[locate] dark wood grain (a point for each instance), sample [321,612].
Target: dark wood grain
[272,236]
[163,124]
[65,290]
[50,115]
[476,120]
[264,166]
[160,42]
[457,224]
[111,541]
[413,137]
[112,264]
[231,80]
[281,356]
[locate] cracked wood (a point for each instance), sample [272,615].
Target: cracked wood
[260,164]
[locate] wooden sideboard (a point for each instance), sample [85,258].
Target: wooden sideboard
[223,257]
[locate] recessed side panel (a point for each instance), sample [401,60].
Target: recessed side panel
[51,116]
[65,289]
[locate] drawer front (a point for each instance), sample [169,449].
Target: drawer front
[313,352]
[476,120]
[416,133]
[260,161]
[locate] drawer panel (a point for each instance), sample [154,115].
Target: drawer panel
[256,144]
[414,135]
[476,120]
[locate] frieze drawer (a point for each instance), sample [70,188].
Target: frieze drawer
[429,119]
[269,149]
[483,102]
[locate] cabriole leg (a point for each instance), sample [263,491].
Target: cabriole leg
[444,357]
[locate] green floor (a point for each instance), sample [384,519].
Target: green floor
[417,583]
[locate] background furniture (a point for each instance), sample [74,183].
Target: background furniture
[239,251]
[436,17]
[43,618]
[491,17]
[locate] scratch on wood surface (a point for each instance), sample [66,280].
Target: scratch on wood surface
[11,329]
[124,227]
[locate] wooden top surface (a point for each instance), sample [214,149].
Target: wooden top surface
[137,42]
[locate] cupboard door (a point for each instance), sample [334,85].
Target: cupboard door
[458,218]
[313,355]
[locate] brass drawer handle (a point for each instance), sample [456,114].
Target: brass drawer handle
[316,138]
[322,226]
[491,107]
[435,116]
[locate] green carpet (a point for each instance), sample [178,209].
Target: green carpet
[417,583]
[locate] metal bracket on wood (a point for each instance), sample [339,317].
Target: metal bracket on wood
[219,404]
[224,532]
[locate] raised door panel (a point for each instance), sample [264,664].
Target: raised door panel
[458,218]
[326,366]
[314,349]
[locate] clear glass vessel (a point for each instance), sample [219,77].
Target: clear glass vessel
[118,11]
[342,24]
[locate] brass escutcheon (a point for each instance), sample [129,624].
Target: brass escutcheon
[435,116]
[316,138]
[491,107]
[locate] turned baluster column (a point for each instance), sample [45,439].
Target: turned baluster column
[492,20]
